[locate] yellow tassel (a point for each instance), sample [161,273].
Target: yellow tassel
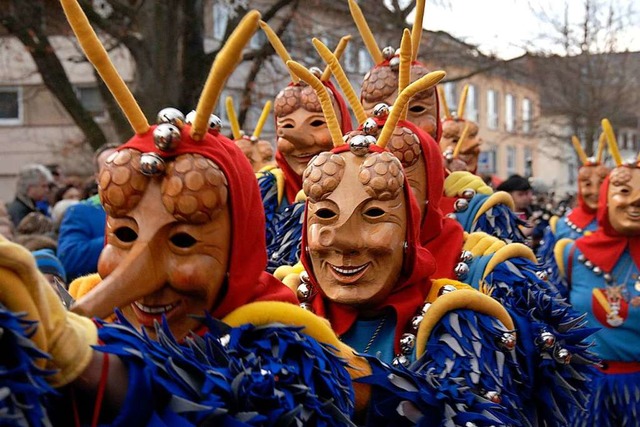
[98,56]
[611,140]
[365,32]
[578,147]
[404,72]
[263,118]
[323,96]
[277,45]
[233,119]
[461,140]
[340,48]
[422,84]
[497,198]
[443,103]
[224,64]
[462,104]
[416,30]
[341,78]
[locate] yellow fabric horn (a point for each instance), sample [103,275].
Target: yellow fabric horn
[443,103]
[342,79]
[365,32]
[263,118]
[422,84]
[224,64]
[233,119]
[416,30]
[404,71]
[601,143]
[462,104]
[461,140]
[98,56]
[579,151]
[323,96]
[611,141]
[340,48]
[278,47]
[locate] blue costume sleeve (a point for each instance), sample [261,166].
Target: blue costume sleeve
[245,376]
[81,239]
[498,220]
[463,378]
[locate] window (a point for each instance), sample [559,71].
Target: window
[91,100]
[509,113]
[492,109]
[487,161]
[623,141]
[220,17]
[527,115]
[451,97]
[350,58]
[511,160]
[472,109]
[10,106]
[528,162]
[364,61]
[634,141]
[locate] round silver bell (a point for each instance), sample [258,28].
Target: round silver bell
[461,205]
[448,154]
[425,307]
[588,264]
[597,270]
[359,145]
[447,288]
[582,258]
[415,321]
[461,269]
[469,193]
[316,71]
[214,122]
[407,342]
[508,340]
[470,424]
[394,63]
[170,115]
[190,117]
[371,140]
[591,160]
[542,275]
[547,340]
[381,110]
[151,164]
[224,340]
[166,137]
[493,396]
[307,306]
[253,139]
[451,216]
[304,276]
[388,52]
[630,161]
[370,127]
[466,256]
[562,355]
[400,360]
[304,291]
[608,278]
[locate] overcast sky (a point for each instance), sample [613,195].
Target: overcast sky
[503,27]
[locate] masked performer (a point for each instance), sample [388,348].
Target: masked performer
[602,273]
[258,151]
[347,239]
[178,197]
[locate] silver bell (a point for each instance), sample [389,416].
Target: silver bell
[381,110]
[400,360]
[508,340]
[416,320]
[425,308]
[151,164]
[307,306]
[448,154]
[597,270]
[224,340]
[447,289]
[166,137]
[190,117]
[451,216]
[370,127]
[547,340]
[304,291]
[461,269]
[466,256]
[588,264]
[608,278]
[562,355]
[359,145]
[407,342]
[493,396]
[461,205]
[542,275]
[469,193]
[630,161]
[304,276]
[170,115]
[394,63]
[214,122]
[316,71]
[388,52]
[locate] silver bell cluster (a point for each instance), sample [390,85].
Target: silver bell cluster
[359,144]
[305,291]
[573,226]
[408,339]
[381,110]
[595,269]
[151,164]
[215,123]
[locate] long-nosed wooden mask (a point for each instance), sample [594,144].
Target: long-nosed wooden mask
[177,198]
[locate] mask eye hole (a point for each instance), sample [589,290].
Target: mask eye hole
[287,126]
[126,234]
[325,213]
[317,123]
[374,212]
[417,109]
[183,240]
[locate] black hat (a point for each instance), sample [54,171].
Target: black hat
[515,183]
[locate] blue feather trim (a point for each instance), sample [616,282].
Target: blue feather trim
[284,249]
[268,186]
[501,222]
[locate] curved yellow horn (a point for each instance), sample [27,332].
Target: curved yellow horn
[611,141]
[416,30]
[96,53]
[404,70]
[365,32]
[443,102]
[224,64]
[325,101]
[278,47]
[579,151]
[263,118]
[342,79]
[342,45]
[233,119]
[462,104]
[601,143]
[422,84]
[461,140]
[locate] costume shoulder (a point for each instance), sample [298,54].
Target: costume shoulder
[553,222]
[560,253]
[231,374]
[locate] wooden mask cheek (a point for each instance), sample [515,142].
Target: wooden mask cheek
[120,183]
[194,189]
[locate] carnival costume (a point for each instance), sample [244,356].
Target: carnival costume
[258,151]
[601,270]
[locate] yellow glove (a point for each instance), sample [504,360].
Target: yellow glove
[66,336]
[457,182]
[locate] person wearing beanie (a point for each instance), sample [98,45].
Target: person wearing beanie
[50,265]
[521,192]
